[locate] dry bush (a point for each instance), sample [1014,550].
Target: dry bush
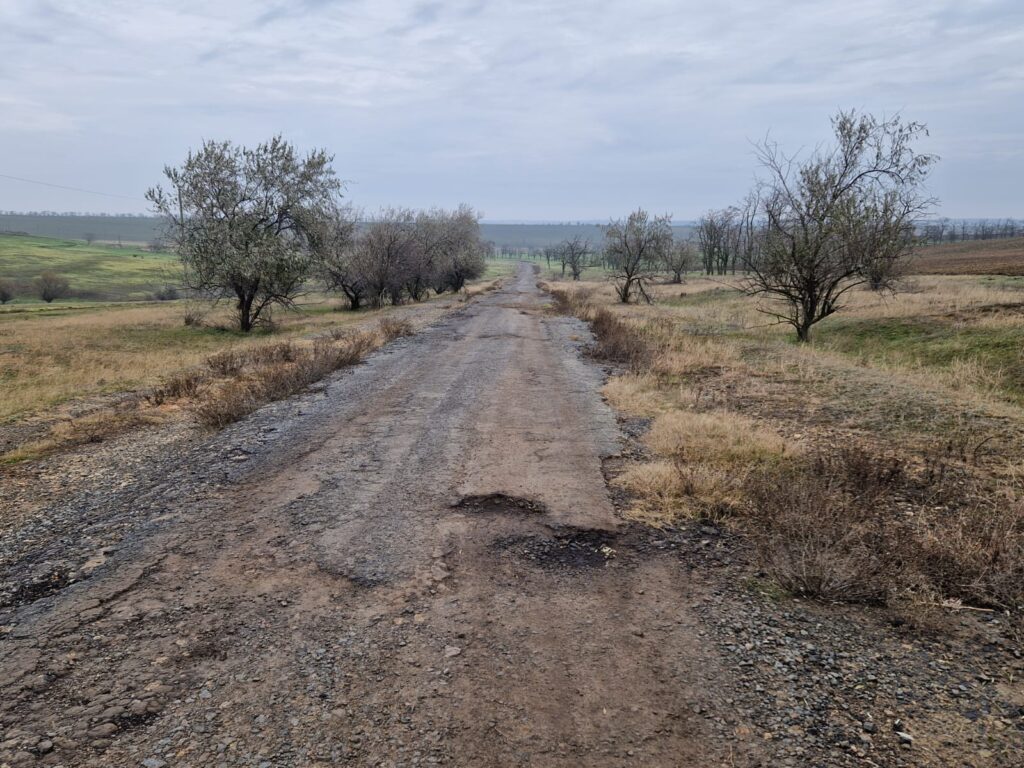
[976,553]
[392,328]
[227,362]
[179,385]
[279,371]
[821,531]
[855,527]
[620,341]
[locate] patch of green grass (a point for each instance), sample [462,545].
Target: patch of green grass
[95,272]
[499,268]
[690,298]
[933,343]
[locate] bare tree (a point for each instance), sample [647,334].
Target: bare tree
[678,260]
[574,253]
[90,238]
[840,218]
[50,286]
[714,230]
[634,249]
[6,291]
[241,220]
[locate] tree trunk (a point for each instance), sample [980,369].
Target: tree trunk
[245,318]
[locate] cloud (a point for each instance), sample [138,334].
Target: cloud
[534,109]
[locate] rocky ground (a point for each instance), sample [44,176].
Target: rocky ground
[419,563]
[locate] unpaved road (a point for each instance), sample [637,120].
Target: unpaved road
[416,564]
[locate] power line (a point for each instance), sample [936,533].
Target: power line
[72,189]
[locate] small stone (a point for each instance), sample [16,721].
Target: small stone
[904,737]
[103,730]
[451,651]
[869,727]
[153,762]
[44,747]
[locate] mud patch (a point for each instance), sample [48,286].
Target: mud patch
[568,551]
[500,503]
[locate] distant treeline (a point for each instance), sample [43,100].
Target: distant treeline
[957,230]
[508,239]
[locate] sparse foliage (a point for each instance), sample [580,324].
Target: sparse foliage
[635,248]
[841,218]
[678,260]
[573,253]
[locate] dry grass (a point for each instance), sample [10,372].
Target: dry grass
[718,437]
[48,357]
[703,460]
[393,328]
[92,428]
[746,426]
[51,357]
[278,372]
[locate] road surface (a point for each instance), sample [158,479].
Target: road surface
[416,564]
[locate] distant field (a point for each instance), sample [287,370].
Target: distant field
[145,229]
[93,271]
[973,257]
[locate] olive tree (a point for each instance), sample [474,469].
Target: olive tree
[241,220]
[383,251]
[634,250]
[333,244]
[842,217]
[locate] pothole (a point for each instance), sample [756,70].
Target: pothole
[43,586]
[500,503]
[579,549]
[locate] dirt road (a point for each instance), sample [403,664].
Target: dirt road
[416,564]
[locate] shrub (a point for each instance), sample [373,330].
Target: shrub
[50,286]
[393,328]
[166,293]
[620,341]
[855,527]
[821,530]
[6,291]
[277,371]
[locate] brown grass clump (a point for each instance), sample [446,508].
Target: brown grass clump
[393,328]
[717,437]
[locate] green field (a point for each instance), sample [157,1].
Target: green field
[95,272]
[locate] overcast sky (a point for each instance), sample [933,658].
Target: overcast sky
[560,110]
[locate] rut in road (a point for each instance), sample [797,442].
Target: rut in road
[419,564]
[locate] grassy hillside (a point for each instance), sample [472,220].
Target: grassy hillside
[94,271]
